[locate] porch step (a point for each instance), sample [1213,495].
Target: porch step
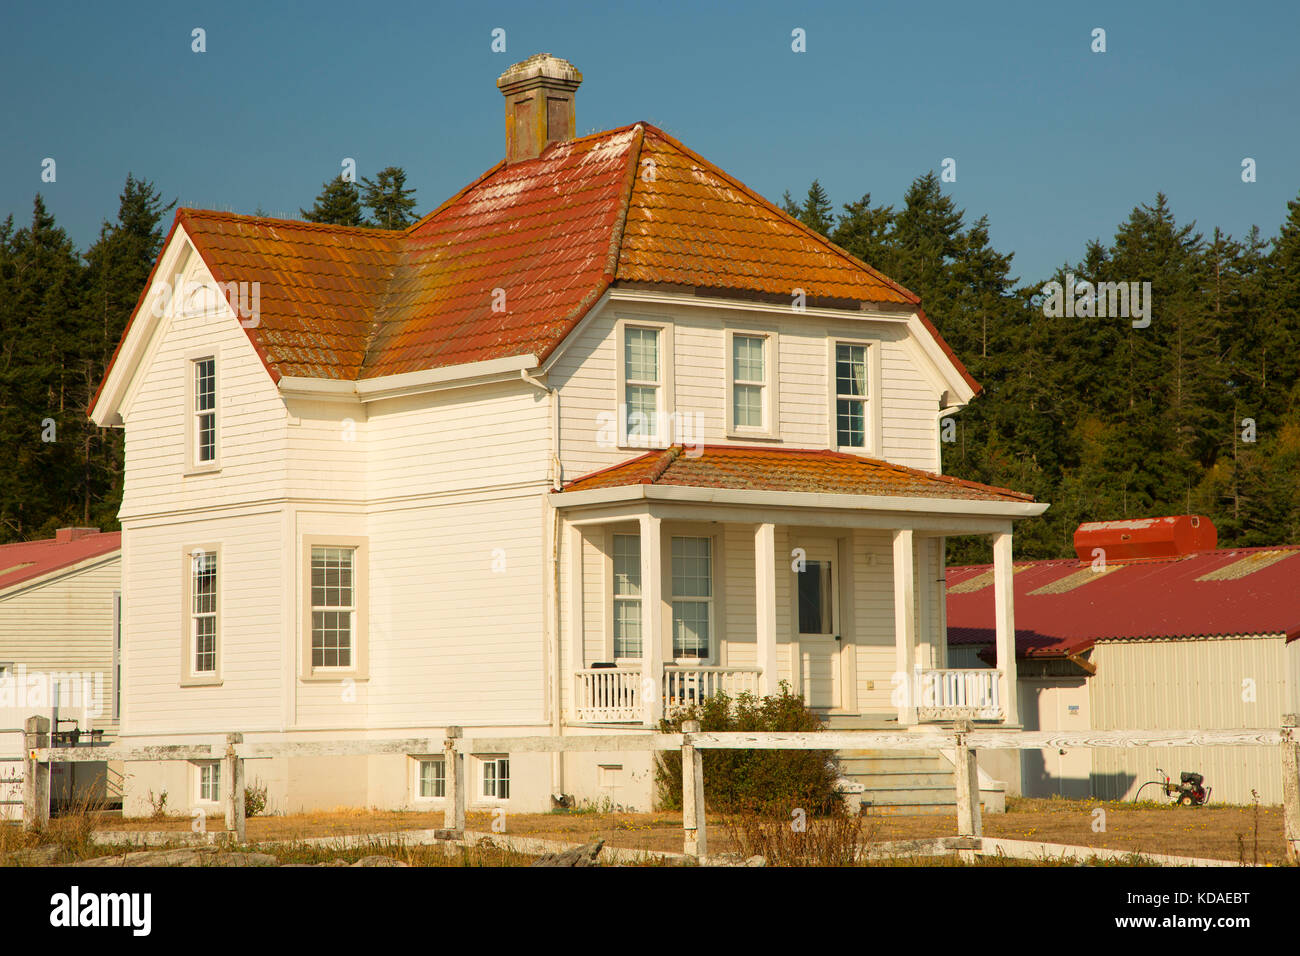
[902,782]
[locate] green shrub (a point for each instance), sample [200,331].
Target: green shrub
[254,799]
[752,780]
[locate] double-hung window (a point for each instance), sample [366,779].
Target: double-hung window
[210,781]
[203,602]
[333,606]
[496,778]
[747,385]
[641,366]
[203,429]
[627,596]
[692,574]
[851,395]
[432,777]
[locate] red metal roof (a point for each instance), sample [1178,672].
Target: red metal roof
[1211,594]
[785,469]
[27,560]
[511,263]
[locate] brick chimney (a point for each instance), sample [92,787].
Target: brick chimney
[68,535]
[539,104]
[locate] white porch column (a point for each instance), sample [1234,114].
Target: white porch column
[905,625]
[652,638]
[765,606]
[577,632]
[1004,614]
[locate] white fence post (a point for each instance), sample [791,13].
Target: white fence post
[966,780]
[453,818]
[233,770]
[36,774]
[693,821]
[1291,786]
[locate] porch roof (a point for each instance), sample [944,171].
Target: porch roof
[817,471]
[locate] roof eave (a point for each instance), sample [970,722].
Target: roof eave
[622,494]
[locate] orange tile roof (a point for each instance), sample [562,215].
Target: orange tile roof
[786,469]
[630,205]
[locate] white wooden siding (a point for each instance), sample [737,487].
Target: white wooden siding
[1186,684]
[64,624]
[586,374]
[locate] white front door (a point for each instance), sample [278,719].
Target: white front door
[816,601]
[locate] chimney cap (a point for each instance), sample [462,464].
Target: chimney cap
[538,68]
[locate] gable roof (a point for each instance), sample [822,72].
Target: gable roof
[786,469]
[25,561]
[510,264]
[1063,607]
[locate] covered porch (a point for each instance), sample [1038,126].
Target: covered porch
[674,592]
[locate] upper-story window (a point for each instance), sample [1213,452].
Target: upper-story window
[202,425]
[751,382]
[645,384]
[205,410]
[641,385]
[851,395]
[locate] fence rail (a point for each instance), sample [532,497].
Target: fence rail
[963,742]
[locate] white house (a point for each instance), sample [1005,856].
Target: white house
[59,643]
[603,432]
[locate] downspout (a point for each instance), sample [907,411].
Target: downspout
[553,616]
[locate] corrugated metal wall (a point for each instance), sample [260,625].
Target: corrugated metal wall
[1184,684]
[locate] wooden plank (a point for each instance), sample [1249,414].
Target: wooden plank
[1033,740]
[97,754]
[966,781]
[36,774]
[233,771]
[696,842]
[614,743]
[1291,786]
[823,740]
[453,817]
[341,748]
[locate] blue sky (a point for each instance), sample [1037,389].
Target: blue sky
[1053,142]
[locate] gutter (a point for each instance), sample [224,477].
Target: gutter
[553,611]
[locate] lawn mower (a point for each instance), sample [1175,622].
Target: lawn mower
[1187,793]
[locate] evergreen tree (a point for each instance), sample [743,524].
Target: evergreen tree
[392,206]
[816,212]
[339,203]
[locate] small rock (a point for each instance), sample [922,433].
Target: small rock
[577,856]
[377,860]
[49,855]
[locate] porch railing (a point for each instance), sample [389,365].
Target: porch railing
[960,692]
[614,694]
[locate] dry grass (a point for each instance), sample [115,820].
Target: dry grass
[1215,832]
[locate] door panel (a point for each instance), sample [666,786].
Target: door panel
[817,623]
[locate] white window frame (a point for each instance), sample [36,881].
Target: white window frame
[189,676]
[495,761]
[711,601]
[200,767]
[664,403]
[358,669]
[871,416]
[771,396]
[417,782]
[193,465]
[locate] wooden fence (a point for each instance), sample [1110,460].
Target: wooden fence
[964,741]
